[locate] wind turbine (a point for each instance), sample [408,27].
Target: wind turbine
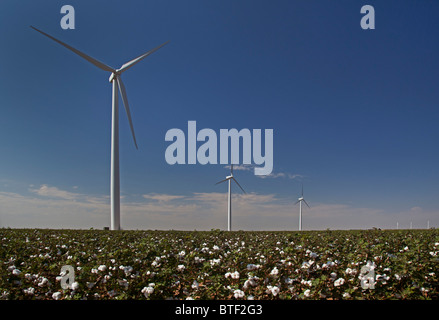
[115,79]
[300,206]
[230,178]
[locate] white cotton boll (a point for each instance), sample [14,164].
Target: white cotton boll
[155,264]
[274,272]
[351,271]
[123,283]
[75,286]
[307,293]
[102,268]
[29,291]
[181,267]
[235,275]
[195,285]
[251,267]
[16,272]
[127,270]
[339,282]
[147,291]
[307,283]
[238,294]
[275,290]
[43,282]
[57,295]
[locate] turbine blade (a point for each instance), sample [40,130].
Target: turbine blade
[297,202]
[131,63]
[231,168]
[97,63]
[306,203]
[239,185]
[302,189]
[221,181]
[123,93]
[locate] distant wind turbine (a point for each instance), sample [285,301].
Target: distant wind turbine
[299,201]
[230,178]
[115,78]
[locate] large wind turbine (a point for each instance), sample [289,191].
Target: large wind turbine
[230,178]
[299,201]
[115,79]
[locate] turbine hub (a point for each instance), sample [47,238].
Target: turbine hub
[113,75]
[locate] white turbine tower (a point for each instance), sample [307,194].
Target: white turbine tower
[230,178]
[299,201]
[115,79]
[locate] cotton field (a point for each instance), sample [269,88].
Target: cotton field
[243,265]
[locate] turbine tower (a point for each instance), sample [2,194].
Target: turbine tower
[115,79]
[299,201]
[230,178]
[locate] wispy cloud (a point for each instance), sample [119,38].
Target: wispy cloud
[161,197]
[46,191]
[286,175]
[241,167]
[273,175]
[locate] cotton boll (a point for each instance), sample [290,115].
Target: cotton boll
[147,291]
[57,295]
[75,286]
[339,282]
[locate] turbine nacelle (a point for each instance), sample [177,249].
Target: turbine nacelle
[112,76]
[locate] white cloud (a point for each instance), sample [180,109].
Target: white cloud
[281,175]
[161,197]
[47,191]
[241,167]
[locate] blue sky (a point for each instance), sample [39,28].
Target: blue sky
[354,112]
